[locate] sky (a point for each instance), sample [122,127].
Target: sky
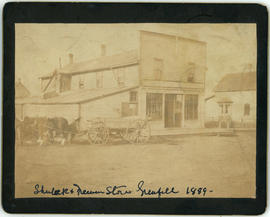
[38,47]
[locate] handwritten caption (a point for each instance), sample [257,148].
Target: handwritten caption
[120,190]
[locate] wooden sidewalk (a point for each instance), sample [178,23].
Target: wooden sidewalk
[193,131]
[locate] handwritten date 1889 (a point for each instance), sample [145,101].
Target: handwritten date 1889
[197,191]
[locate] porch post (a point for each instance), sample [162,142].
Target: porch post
[202,108]
[183,111]
[141,103]
[163,109]
[79,115]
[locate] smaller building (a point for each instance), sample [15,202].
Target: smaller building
[20,90]
[234,101]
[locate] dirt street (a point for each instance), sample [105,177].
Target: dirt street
[224,164]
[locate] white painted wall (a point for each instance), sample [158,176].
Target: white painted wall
[89,81]
[176,54]
[239,98]
[131,76]
[107,107]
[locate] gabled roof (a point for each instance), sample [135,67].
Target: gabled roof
[224,100]
[21,91]
[208,98]
[173,36]
[48,75]
[102,63]
[237,82]
[75,97]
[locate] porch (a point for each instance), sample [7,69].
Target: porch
[192,131]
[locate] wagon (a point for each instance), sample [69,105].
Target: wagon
[131,129]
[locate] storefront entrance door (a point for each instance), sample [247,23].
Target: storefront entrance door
[173,110]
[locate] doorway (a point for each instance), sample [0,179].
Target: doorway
[173,110]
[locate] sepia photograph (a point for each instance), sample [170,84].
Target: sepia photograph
[135,110]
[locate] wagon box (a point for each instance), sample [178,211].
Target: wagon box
[131,129]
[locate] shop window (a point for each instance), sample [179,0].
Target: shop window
[154,106]
[246,109]
[191,107]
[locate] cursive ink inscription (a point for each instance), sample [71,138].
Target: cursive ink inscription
[120,190]
[159,191]
[81,191]
[52,191]
[197,191]
[117,190]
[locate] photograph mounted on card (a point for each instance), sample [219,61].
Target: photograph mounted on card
[155,108]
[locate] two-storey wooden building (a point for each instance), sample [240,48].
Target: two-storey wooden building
[162,80]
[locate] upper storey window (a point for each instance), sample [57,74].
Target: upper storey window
[158,68]
[246,109]
[99,79]
[81,83]
[65,83]
[191,72]
[121,77]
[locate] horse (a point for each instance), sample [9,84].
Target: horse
[62,132]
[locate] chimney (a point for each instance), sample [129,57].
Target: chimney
[70,58]
[60,63]
[103,50]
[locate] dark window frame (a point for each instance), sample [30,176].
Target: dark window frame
[81,83]
[133,96]
[154,106]
[191,72]
[191,107]
[158,68]
[99,79]
[65,83]
[247,109]
[121,78]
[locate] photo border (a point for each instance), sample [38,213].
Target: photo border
[52,12]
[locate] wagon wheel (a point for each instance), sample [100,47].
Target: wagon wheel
[139,133]
[129,134]
[144,132]
[98,134]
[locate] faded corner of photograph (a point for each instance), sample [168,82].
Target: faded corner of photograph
[119,110]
